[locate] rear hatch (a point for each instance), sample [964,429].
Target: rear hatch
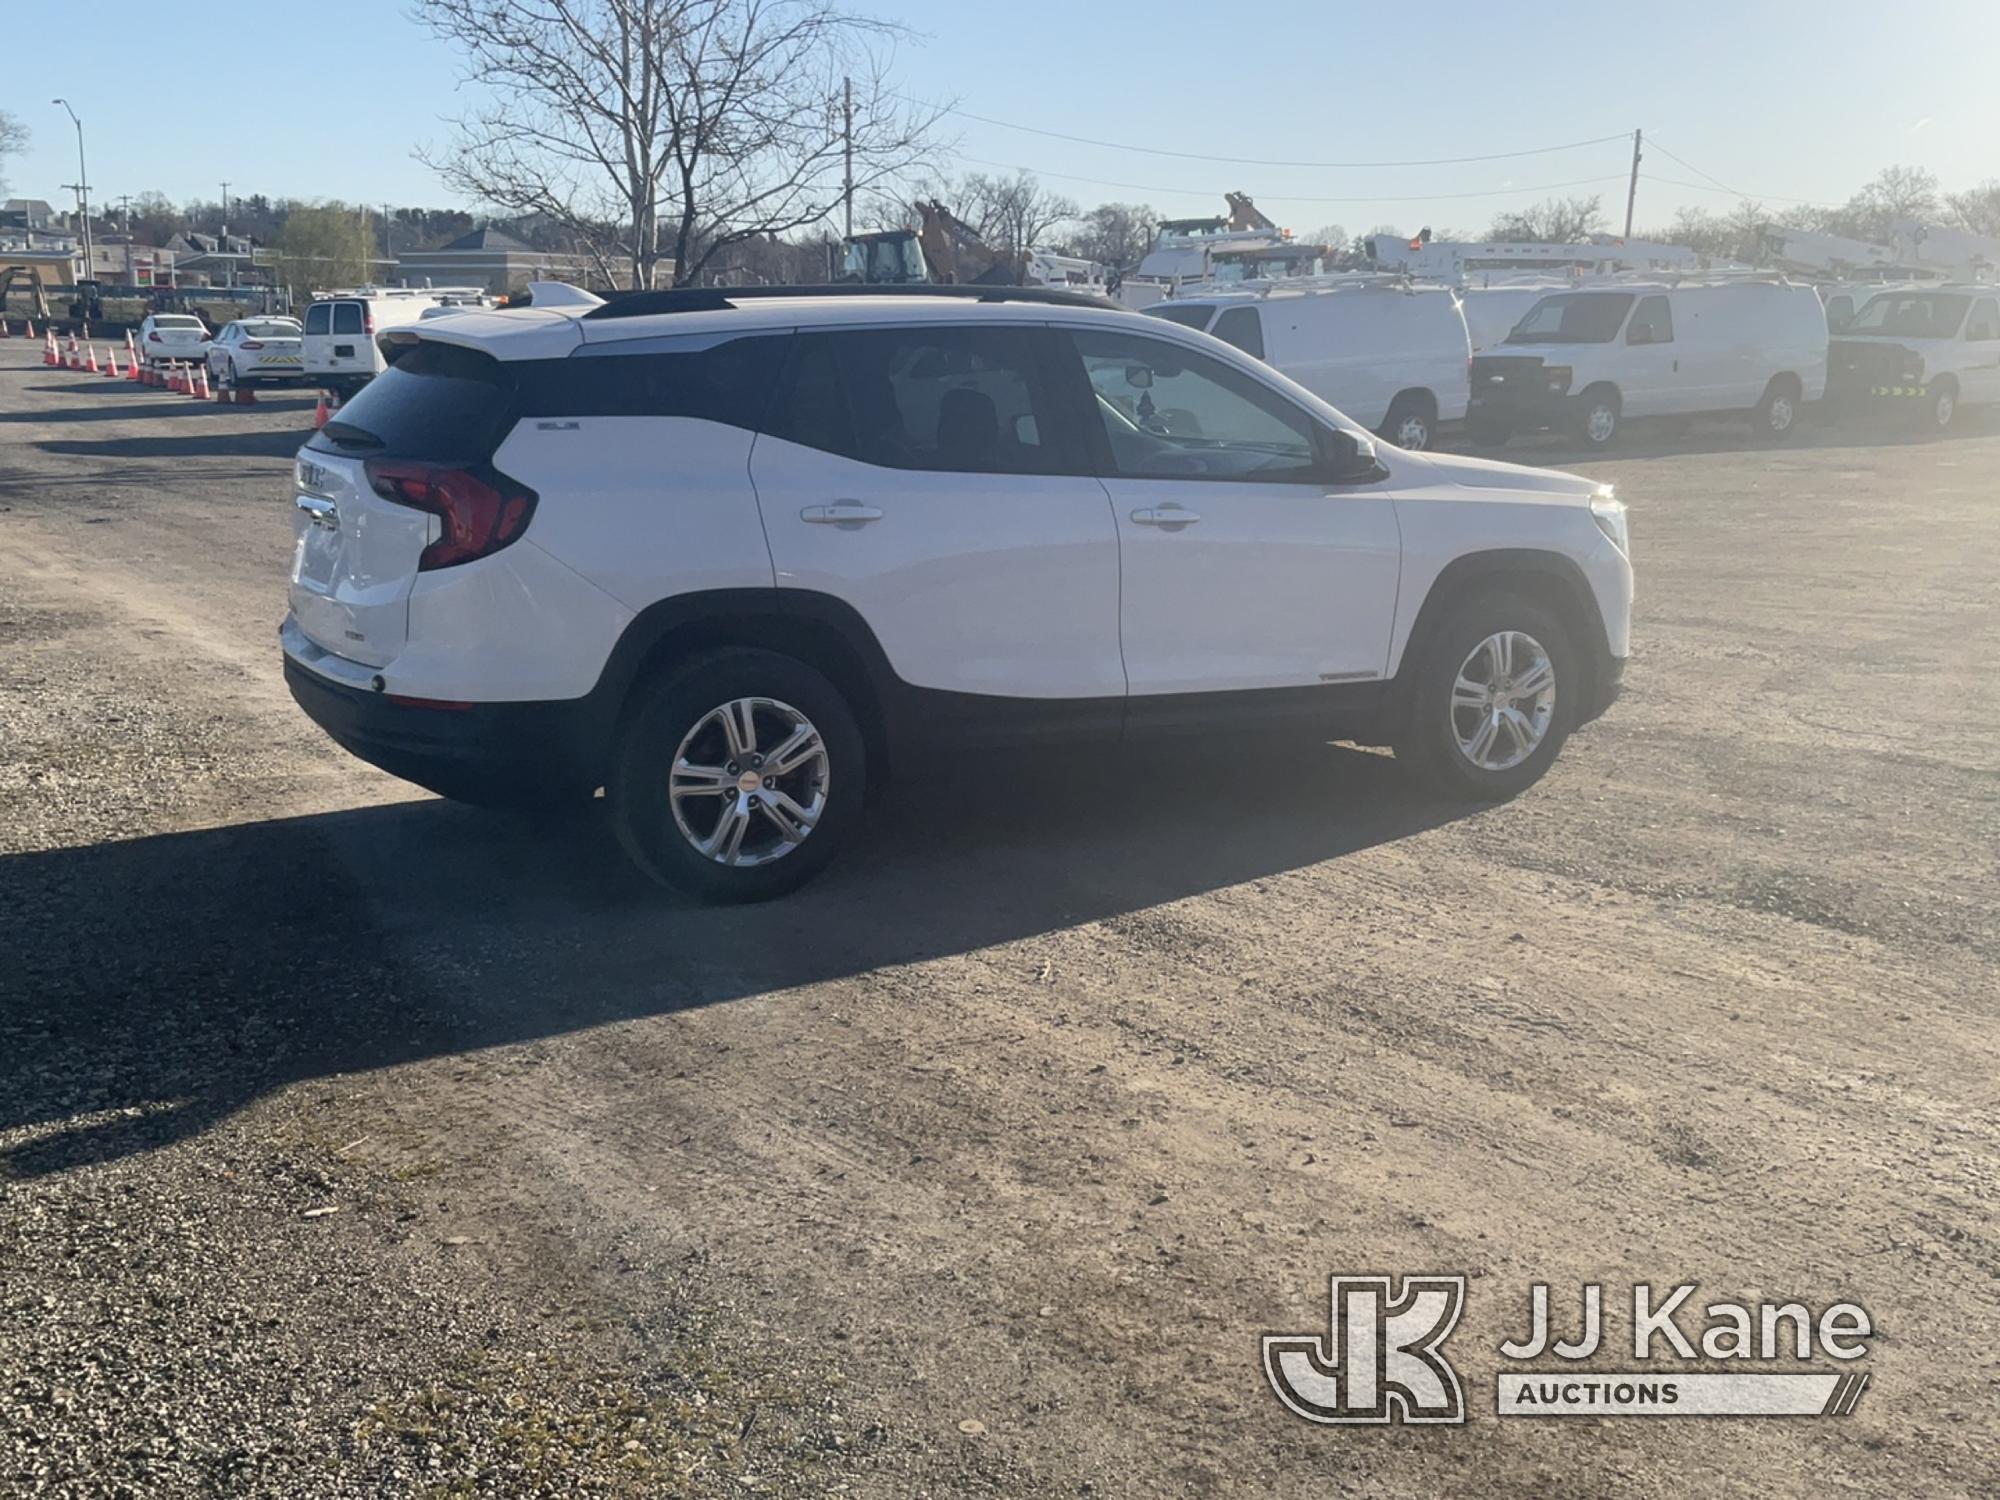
[340,338]
[398,483]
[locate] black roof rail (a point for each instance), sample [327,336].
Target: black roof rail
[721,298]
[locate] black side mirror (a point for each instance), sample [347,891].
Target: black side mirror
[1349,459]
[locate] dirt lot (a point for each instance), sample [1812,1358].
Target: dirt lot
[979,1167]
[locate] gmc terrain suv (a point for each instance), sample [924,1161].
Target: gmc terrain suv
[734,555]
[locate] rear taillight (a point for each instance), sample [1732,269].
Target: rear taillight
[368,320]
[252,344]
[154,338]
[480,513]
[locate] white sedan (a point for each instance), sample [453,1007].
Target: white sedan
[172,337]
[258,351]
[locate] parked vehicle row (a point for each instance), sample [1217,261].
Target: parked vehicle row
[341,327]
[1586,359]
[735,556]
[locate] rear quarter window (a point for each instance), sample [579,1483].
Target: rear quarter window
[725,382]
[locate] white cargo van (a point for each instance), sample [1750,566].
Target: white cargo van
[1930,349]
[1492,311]
[1389,355]
[1589,360]
[340,352]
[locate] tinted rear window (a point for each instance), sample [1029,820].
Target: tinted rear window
[317,316]
[278,328]
[675,377]
[347,317]
[174,320]
[436,402]
[1187,317]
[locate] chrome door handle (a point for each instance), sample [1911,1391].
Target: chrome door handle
[840,513]
[1172,516]
[320,512]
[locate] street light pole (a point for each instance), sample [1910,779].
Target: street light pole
[83,190]
[228,265]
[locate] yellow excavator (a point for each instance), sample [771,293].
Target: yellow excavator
[945,250]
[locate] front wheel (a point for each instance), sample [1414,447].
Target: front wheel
[1598,415]
[1942,409]
[1493,699]
[739,777]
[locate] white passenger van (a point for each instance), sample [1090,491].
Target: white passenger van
[1589,360]
[1389,355]
[340,329]
[1933,350]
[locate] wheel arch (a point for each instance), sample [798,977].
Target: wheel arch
[823,632]
[1538,574]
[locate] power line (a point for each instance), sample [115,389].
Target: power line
[1251,161]
[1142,187]
[1716,184]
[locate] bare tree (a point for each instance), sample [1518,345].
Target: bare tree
[1011,214]
[1115,234]
[13,141]
[1977,210]
[1894,193]
[1554,220]
[672,129]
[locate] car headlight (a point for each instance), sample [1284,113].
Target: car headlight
[1559,378]
[1608,511]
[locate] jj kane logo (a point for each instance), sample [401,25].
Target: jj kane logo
[1382,1357]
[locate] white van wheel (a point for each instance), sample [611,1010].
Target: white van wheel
[1778,413]
[1412,422]
[1598,413]
[1944,406]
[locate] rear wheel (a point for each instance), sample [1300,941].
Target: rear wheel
[1777,415]
[1493,700]
[1412,421]
[1941,406]
[739,777]
[1597,416]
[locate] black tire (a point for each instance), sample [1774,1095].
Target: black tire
[1412,422]
[1599,414]
[1488,431]
[671,707]
[1429,743]
[1776,416]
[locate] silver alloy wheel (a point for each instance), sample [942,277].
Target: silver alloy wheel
[1946,409]
[1781,414]
[1413,433]
[738,802]
[1503,700]
[1601,423]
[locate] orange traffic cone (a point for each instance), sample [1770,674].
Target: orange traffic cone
[174,378]
[111,364]
[320,412]
[200,390]
[91,364]
[50,354]
[132,370]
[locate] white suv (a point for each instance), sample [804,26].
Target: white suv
[735,555]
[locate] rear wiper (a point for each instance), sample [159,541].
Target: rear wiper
[348,436]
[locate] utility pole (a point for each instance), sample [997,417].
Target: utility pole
[228,266]
[82,190]
[1632,193]
[847,139]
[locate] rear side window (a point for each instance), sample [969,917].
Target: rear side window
[1187,317]
[681,377]
[318,317]
[347,317]
[437,402]
[1240,326]
[1985,324]
[962,400]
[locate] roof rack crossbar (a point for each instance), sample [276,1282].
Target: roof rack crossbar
[723,298]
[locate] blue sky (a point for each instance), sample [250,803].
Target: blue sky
[1776,99]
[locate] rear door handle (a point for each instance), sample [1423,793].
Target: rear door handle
[841,513]
[1172,516]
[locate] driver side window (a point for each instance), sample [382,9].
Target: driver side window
[1174,413]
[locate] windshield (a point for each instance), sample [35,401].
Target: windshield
[889,262]
[270,328]
[1573,318]
[1912,315]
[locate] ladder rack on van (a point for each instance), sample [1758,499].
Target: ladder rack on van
[1327,281]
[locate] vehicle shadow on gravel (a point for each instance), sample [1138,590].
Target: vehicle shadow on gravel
[143,411]
[1660,439]
[156,986]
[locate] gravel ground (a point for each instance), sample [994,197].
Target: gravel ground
[355,1143]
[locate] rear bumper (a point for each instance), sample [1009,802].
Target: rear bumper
[475,750]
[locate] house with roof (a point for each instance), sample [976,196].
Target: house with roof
[497,261]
